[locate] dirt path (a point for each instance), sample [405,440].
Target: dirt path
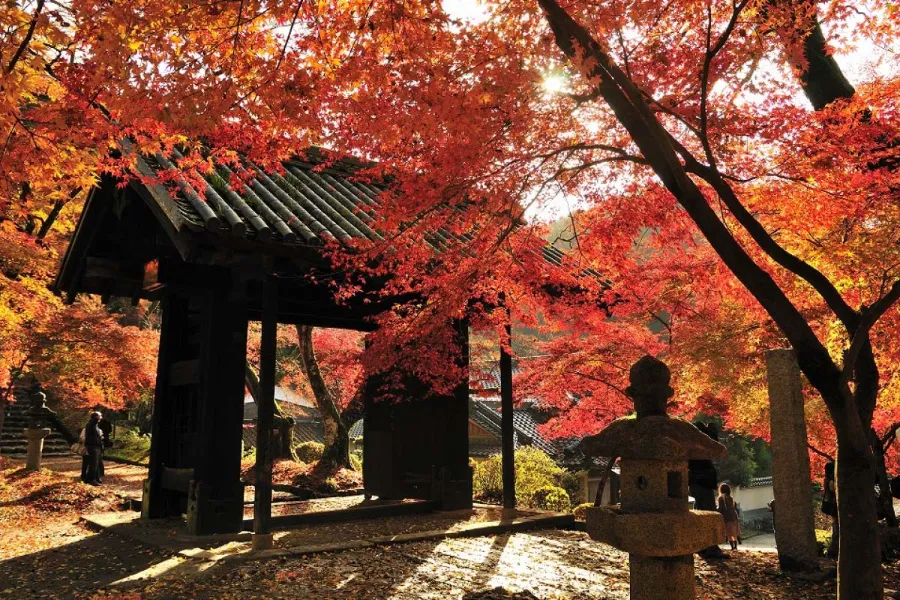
[125,480]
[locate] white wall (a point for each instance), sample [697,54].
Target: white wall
[753,498]
[593,483]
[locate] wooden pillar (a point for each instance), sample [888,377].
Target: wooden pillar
[419,447]
[506,422]
[156,502]
[262,504]
[216,494]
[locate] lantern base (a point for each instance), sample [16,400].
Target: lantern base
[657,578]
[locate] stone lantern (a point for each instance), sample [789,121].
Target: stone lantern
[37,430]
[653,523]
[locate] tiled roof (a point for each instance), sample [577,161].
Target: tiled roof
[760,482]
[283,394]
[484,377]
[526,419]
[292,403]
[307,203]
[316,198]
[525,428]
[484,412]
[309,431]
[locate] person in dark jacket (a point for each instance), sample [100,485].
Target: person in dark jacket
[829,507]
[702,481]
[105,426]
[93,443]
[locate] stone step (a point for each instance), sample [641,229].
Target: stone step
[23,443]
[19,433]
[23,453]
[10,443]
[50,441]
[47,449]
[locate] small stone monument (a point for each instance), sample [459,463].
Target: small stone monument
[795,528]
[653,523]
[38,414]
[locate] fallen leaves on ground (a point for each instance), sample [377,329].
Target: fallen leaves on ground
[307,476]
[538,565]
[47,490]
[40,510]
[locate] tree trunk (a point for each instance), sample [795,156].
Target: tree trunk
[283,445]
[885,501]
[50,220]
[337,433]
[859,556]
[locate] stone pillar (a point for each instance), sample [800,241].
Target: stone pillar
[654,578]
[794,524]
[35,437]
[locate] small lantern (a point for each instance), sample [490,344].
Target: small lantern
[654,523]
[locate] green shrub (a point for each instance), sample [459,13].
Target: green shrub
[356,461]
[823,540]
[130,445]
[534,470]
[573,482]
[580,510]
[310,452]
[552,498]
[487,480]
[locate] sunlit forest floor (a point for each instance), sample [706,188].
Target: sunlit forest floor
[46,552]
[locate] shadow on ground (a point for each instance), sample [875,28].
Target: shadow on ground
[75,570]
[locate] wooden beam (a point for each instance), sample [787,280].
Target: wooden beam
[506,419]
[262,506]
[154,291]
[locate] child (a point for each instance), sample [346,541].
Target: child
[725,505]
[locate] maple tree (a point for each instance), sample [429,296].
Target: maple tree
[81,354]
[681,126]
[324,365]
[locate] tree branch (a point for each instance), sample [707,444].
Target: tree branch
[868,319]
[888,438]
[287,38]
[711,52]
[820,453]
[819,282]
[654,142]
[27,39]
[821,78]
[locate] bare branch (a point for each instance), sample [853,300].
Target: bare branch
[287,38]
[888,438]
[820,453]
[27,39]
[868,317]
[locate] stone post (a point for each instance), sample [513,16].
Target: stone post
[795,534]
[35,437]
